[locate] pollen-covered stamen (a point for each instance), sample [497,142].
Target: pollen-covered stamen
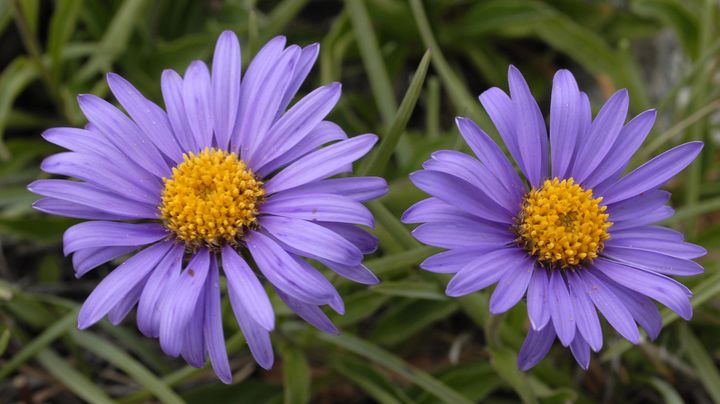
[211,199]
[562,224]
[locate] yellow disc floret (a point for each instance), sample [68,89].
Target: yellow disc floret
[211,199]
[562,224]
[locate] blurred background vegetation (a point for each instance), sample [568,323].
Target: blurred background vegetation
[402,341]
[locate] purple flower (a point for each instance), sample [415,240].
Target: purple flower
[226,173]
[571,235]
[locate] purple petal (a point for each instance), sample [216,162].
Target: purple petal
[484,271]
[603,132]
[564,121]
[317,207]
[452,261]
[101,234]
[179,303]
[285,273]
[650,232]
[114,287]
[307,59]
[638,206]
[197,98]
[364,241]
[629,140]
[250,293]
[536,346]
[529,129]
[193,350]
[460,194]
[642,309]
[312,239]
[610,306]
[118,313]
[562,307]
[310,313]
[434,210]
[172,88]
[258,338]
[123,134]
[165,273]
[462,234]
[321,164]
[659,214]
[659,287]
[538,299]
[581,351]
[93,197]
[672,248]
[213,327]
[359,189]
[653,261]
[512,286]
[358,273]
[491,155]
[150,118]
[90,258]
[296,123]
[653,173]
[69,209]
[81,141]
[501,110]
[225,79]
[586,317]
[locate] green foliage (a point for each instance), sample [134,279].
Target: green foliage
[407,68]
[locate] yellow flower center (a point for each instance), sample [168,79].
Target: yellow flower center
[211,199]
[562,224]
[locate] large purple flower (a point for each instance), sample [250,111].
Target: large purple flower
[574,235]
[227,173]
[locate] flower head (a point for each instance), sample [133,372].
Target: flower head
[572,235]
[227,172]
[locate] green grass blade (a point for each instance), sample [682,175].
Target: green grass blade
[72,379]
[62,26]
[296,375]
[702,361]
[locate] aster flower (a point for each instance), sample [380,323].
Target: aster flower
[572,235]
[227,176]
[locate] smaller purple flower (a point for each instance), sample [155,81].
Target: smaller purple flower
[226,177]
[573,236]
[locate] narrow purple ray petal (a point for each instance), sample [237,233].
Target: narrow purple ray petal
[93,197]
[586,317]
[643,310]
[538,300]
[225,79]
[165,273]
[310,313]
[564,121]
[103,234]
[659,214]
[461,194]
[653,173]
[462,234]
[649,232]
[285,274]
[150,118]
[484,271]
[603,132]
[81,141]
[193,350]
[536,346]
[69,209]
[118,313]
[638,206]
[529,128]
[672,248]
[512,286]
[247,287]
[322,133]
[172,85]
[357,273]
[321,164]
[652,260]
[562,308]
[501,110]
[110,175]
[317,207]
[307,59]
[358,189]
[490,155]
[452,261]
[197,98]
[581,351]
[325,244]
[88,259]
[628,142]
[296,123]
[258,338]
[178,305]
[665,290]
[213,327]
[123,134]
[364,241]
[608,303]
[114,287]
[434,210]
